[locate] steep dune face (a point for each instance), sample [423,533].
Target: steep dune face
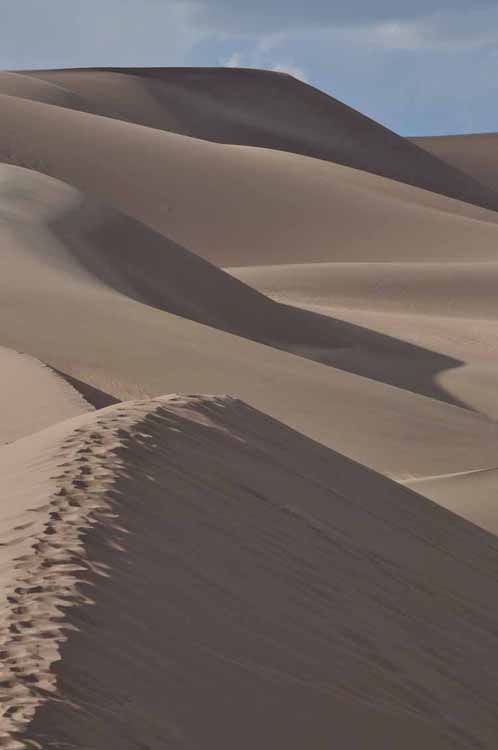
[199,574]
[32,396]
[58,230]
[237,205]
[474,154]
[257,108]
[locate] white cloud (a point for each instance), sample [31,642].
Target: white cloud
[290,69]
[257,60]
[234,61]
[440,31]
[273,16]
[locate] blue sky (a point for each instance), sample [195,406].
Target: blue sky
[428,66]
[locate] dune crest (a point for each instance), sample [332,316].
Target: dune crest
[32,396]
[251,205]
[249,108]
[206,544]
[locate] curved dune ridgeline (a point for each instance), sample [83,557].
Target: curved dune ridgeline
[190,557]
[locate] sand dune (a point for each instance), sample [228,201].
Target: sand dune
[474,154]
[32,396]
[472,494]
[59,230]
[252,206]
[444,356]
[188,571]
[189,543]
[254,108]
[427,327]
[447,308]
[36,89]
[430,289]
[67,317]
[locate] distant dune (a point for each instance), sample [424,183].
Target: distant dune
[251,205]
[71,298]
[474,154]
[251,108]
[60,231]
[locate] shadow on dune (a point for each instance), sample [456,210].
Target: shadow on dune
[121,254]
[97,398]
[377,356]
[154,270]
[273,110]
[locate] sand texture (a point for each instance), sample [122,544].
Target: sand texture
[182,582]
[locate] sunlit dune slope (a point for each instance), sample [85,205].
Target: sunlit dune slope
[32,396]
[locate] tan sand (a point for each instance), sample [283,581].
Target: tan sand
[444,308]
[474,154]
[473,495]
[32,396]
[85,241]
[463,290]
[64,314]
[187,571]
[252,206]
[196,573]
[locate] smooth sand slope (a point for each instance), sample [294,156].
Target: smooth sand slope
[473,494]
[188,572]
[475,154]
[64,313]
[431,326]
[237,205]
[248,107]
[75,235]
[58,229]
[32,396]
[463,290]
[447,309]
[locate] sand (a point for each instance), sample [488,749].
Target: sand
[252,205]
[320,600]
[310,560]
[62,311]
[248,107]
[32,396]
[475,154]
